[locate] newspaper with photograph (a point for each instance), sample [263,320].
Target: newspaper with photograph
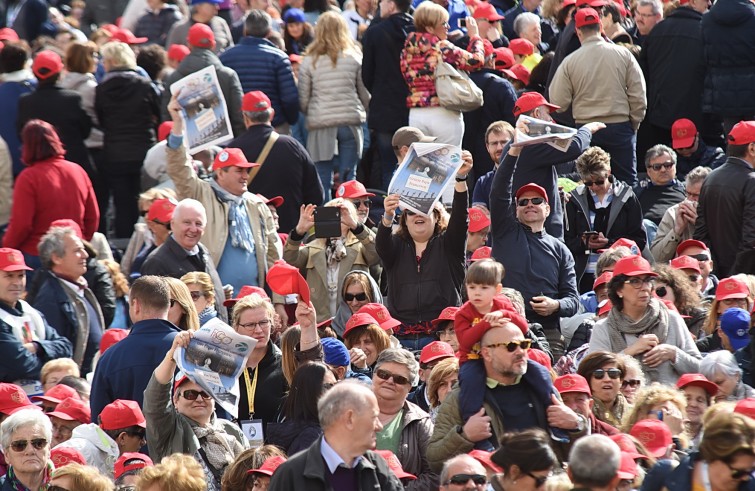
[204,110]
[541,131]
[425,173]
[214,360]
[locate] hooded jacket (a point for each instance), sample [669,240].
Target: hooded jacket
[99,450]
[343,314]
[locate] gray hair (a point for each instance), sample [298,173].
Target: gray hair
[516,298]
[696,175]
[719,362]
[656,151]
[53,243]
[257,23]
[611,257]
[22,419]
[586,452]
[465,458]
[119,55]
[401,357]
[524,20]
[259,116]
[631,362]
[655,4]
[344,396]
[190,204]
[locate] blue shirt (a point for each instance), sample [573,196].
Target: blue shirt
[237,266]
[332,459]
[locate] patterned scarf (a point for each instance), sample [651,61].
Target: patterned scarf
[207,313]
[17,486]
[655,321]
[220,447]
[335,251]
[239,227]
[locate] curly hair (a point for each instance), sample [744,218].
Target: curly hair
[686,295]
[650,396]
[444,369]
[120,283]
[83,477]
[236,475]
[203,280]
[177,472]
[593,162]
[726,436]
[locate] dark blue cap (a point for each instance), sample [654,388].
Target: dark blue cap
[335,352]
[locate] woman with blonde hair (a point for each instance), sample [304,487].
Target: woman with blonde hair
[177,472]
[358,289]
[334,99]
[182,312]
[661,402]
[142,238]
[120,285]
[202,293]
[442,379]
[79,477]
[54,370]
[327,261]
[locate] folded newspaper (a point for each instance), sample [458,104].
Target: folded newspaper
[541,131]
[426,171]
[214,360]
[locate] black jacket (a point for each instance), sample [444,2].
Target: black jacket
[672,61]
[128,108]
[729,39]
[726,215]
[382,44]
[271,388]
[288,158]
[63,109]
[155,26]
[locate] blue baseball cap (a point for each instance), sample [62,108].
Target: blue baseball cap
[294,15]
[197,2]
[335,352]
[735,323]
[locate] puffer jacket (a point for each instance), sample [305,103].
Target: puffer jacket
[420,57]
[729,44]
[333,95]
[416,430]
[155,26]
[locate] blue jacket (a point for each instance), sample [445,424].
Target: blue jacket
[262,66]
[125,368]
[536,263]
[680,479]
[10,93]
[713,157]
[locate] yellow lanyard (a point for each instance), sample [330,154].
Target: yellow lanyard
[251,388]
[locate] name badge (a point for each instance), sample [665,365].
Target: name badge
[253,430]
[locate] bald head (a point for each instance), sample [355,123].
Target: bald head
[461,464]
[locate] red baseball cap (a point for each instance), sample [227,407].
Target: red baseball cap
[437,350]
[633,266]
[697,380]
[13,398]
[521,46]
[484,252]
[394,464]
[602,279]
[358,320]
[483,457]
[529,101]
[73,409]
[121,414]
[567,3]
[627,468]
[161,211]
[126,36]
[478,220]
[284,279]
[380,313]
[201,36]
[683,133]
[245,291]
[742,133]
[110,337]
[534,188]
[46,64]
[268,467]
[504,58]
[447,314]
[352,189]
[627,446]
[628,243]
[690,243]
[486,11]
[686,262]
[591,3]
[746,407]
[586,17]
[67,222]
[276,201]
[12,260]
[540,356]
[131,461]
[8,34]
[731,288]
[164,129]
[521,73]
[178,52]
[62,456]
[654,434]
[572,382]
[57,394]
[230,157]
[605,307]
[255,101]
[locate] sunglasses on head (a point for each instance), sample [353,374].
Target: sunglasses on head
[535,201]
[613,373]
[361,202]
[350,297]
[631,383]
[462,479]
[196,295]
[596,182]
[539,480]
[664,165]
[191,394]
[20,445]
[398,379]
[661,291]
[511,346]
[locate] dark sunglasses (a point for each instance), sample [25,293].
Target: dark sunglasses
[511,346]
[191,395]
[142,435]
[631,383]
[350,297]
[657,167]
[525,201]
[409,213]
[196,295]
[740,473]
[57,488]
[398,379]
[597,182]
[361,202]
[613,373]
[539,480]
[462,479]
[20,445]
[661,291]
[699,257]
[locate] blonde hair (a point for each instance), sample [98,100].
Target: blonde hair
[726,435]
[59,364]
[153,194]
[428,15]
[84,477]
[120,283]
[203,280]
[650,396]
[253,301]
[378,336]
[180,293]
[332,38]
[177,472]
[119,55]
[559,482]
[444,369]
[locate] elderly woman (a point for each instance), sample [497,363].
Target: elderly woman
[174,472]
[79,477]
[182,312]
[326,262]
[605,373]
[674,286]
[358,289]
[423,50]
[406,428]
[442,379]
[25,437]
[54,370]
[527,460]
[730,292]
[634,379]
[187,423]
[424,259]
[365,338]
[600,212]
[658,402]
[721,368]
[640,326]
[202,293]
[699,393]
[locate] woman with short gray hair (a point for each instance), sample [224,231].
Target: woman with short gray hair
[25,437]
[721,368]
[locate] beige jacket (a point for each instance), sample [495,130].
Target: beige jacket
[188,185]
[601,82]
[6,183]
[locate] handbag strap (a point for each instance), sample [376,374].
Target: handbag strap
[263,155]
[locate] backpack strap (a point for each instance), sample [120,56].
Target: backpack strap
[263,155]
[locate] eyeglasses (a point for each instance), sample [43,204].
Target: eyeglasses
[361,202]
[740,473]
[535,201]
[631,383]
[462,479]
[664,165]
[196,295]
[596,182]
[661,291]
[446,25]
[350,297]
[191,394]
[646,16]
[511,346]
[251,326]
[61,429]
[539,480]
[398,379]
[20,445]
[639,282]
[409,213]
[700,257]
[613,373]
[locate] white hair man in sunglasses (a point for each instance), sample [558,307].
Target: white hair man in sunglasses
[25,438]
[462,473]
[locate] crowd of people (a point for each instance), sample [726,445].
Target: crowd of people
[570,313]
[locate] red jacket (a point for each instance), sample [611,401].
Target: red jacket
[47,191]
[470,327]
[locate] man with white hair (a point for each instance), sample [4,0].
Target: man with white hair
[462,472]
[527,26]
[588,451]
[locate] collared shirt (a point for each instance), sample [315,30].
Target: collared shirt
[492,383]
[332,459]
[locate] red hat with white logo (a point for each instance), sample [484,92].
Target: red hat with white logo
[230,157]
[352,189]
[633,266]
[12,260]
[654,434]
[731,288]
[380,313]
[484,252]
[359,320]
[73,409]
[571,383]
[530,100]
[683,133]
[478,220]
[686,262]
[437,350]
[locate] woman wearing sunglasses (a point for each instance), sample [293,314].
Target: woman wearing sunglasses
[527,460]
[639,325]
[202,293]
[25,437]
[182,312]
[605,372]
[675,286]
[358,290]
[593,220]
[364,333]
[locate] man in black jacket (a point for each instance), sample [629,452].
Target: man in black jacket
[381,73]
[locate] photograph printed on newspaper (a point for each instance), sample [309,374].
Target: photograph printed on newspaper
[214,360]
[425,173]
[541,131]
[204,110]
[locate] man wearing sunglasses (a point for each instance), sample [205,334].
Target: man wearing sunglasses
[661,189]
[699,251]
[463,473]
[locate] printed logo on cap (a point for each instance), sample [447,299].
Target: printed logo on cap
[730,286]
[646,437]
[681,132]
[16,396]
[223,157]
[568,383]
[341,190]
[637,261]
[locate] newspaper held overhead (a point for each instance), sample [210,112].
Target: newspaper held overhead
[214,360]
[541,131]
[425,173]
[204,110]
